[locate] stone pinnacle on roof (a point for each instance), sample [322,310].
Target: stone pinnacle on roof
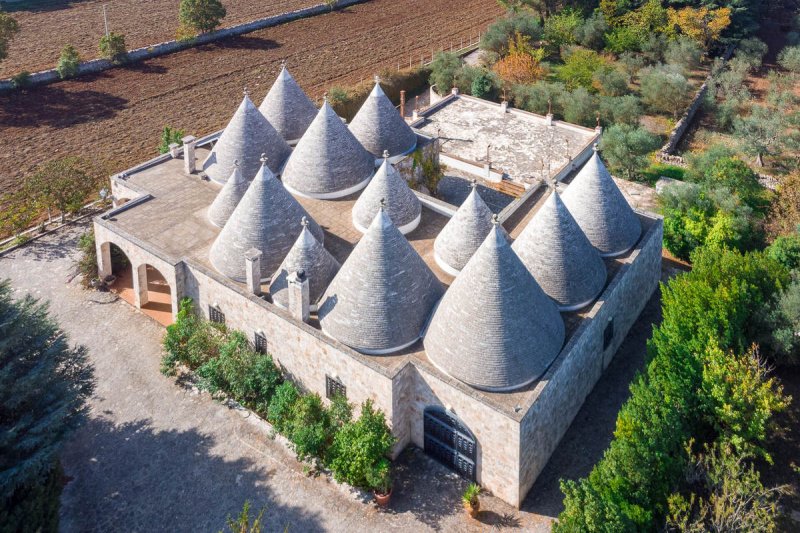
[265,219]
[463,234]
[287,107]
[307,254]
[600,210]
[378,126]
[380,300]
[228,197]
[495,329]
[328,162]
[555,250]
[403,206]
[246,137]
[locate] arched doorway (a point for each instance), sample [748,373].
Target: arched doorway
[449,441]
[118,265]
[154,296]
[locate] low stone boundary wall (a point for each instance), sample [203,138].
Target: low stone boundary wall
[683,124]
[170,47]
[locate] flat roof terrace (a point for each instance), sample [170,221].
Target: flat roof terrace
[523,146]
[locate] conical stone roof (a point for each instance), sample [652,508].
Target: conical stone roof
[555,250]
[246,137]
[378,126]
[307,254]
[388,186]
[328,162]
[267,218]
[287,107]
[228,197]
[495,329]
[463,233]
[380,300]
[601,211]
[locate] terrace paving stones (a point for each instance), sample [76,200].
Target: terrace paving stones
[463,234]
[555,250]
[381,299]
[495,329]
[308,255]
[268,219]
[287,107]
[600,209]
[328,162]
[378,126]
[245,138]
[388,188]
[228,198]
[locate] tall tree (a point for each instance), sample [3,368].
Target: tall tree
[44,385]
[8,28]
[201,15]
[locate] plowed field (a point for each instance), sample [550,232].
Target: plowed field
[45,29]
[116,117]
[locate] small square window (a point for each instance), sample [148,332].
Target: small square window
[608,334]
[260,343]
[334,387]
[215,315]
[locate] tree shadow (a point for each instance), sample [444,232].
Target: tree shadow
[241,42]
[145,67]
[52,105]
[133,476]
[39,5]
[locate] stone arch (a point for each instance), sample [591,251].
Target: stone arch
[153,293]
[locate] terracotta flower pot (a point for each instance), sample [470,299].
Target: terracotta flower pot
[473,508]
[383,499]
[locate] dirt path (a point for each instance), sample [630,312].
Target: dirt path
[116,117]
[143,22]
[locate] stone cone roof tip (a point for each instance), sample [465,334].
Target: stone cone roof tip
[555,250]
[601,210]
[495,329]
[228,197]
[309,255]
[402,205]
[328,162]
[246,137]
[378,126]
[287,107]
[265,219]
[381,299]
[463,234]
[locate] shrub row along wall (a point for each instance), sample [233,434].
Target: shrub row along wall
[683,124]
[170,47]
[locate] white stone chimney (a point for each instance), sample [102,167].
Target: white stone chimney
[174,150]
[548,119]
[299,303]
[189,163]
[252,259]
[454,91]
[504,106]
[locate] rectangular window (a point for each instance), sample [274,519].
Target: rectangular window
[215,315]
[260,343]
[608,334]
[334,387]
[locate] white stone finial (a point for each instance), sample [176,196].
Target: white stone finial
[474,183]
[246,92]
[236,163]
[383,204]
[386,154]
[263,159]
[377,79]
[283,63]
[496,219]
[304,221]
[596,147]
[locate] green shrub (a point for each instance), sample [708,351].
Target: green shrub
[483,85]
[579,67]
[178,335]
[309,427]
[500,32]
[68,63]
[169,136]
[789,58]
[751,51]
[87,262]
[653,48]
[280,408]
[591,33]
[444,69]
[201,15]
[359,447]
[580,107]
[631,63]
[782,340]
[561,28]
[623,39]
[699,163]
[658,170]
[664,90]
[626,149]
[539,97]
[786,250]
[684,53]
[21,80]
[8,29]
[734,174]
[610,81]
[112,47]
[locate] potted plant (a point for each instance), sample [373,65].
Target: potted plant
[380,478]
[470,498]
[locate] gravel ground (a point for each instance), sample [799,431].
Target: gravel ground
[159,456]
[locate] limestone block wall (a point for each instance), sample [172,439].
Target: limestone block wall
[303,353]
[497,435]
[563,389]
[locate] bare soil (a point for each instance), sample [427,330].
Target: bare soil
[46,27]
[115,118]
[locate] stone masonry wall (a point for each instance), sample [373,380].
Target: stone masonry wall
[303,353]
[566,384]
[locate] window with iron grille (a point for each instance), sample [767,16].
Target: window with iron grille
[260,343]
[608,334]
[215,315]
[334,387]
